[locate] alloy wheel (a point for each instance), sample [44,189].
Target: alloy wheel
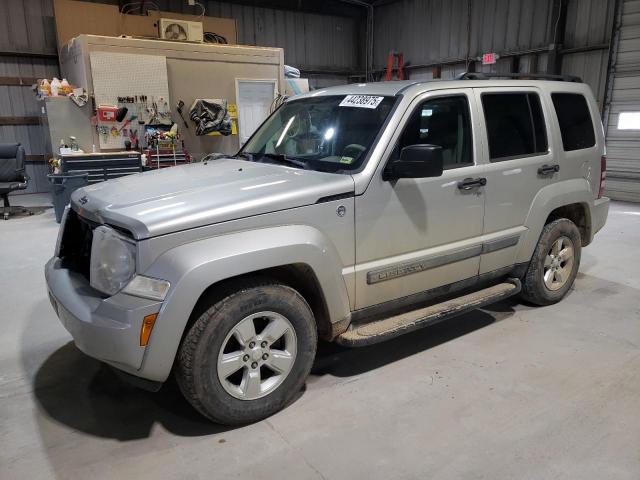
[257,355]
[558,264]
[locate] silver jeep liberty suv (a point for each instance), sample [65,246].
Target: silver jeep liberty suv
[353,214]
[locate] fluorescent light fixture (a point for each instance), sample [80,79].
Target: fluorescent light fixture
[629,121]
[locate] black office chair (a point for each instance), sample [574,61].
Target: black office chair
[12,175]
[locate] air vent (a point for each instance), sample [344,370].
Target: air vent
[180,30]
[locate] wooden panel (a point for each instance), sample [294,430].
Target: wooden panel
[19,120]
[24,81]
[37,158]
[27,54]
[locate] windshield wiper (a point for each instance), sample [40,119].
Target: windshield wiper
[284,159]
[245,155]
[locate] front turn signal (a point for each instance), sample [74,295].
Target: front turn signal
[147,326]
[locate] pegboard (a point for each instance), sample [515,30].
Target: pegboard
[127,75]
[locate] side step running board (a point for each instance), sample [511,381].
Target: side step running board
[386,328]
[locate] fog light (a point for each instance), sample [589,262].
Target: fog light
[147,326]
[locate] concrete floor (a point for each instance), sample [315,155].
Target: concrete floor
[508,392]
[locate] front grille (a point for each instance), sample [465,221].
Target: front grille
[75,246]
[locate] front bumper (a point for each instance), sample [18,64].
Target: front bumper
[107,329]
[600,213]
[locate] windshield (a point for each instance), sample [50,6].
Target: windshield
[327,133]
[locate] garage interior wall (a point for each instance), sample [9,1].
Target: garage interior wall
[27,52]
[328,49]
[439,39]
[623,95]
[442,38]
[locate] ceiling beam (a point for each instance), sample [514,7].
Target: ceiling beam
[327,7]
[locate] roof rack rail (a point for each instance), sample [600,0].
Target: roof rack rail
[528,76]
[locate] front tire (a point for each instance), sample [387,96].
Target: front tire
[554,264]
[248,354]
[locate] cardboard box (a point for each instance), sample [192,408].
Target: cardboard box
[73,18]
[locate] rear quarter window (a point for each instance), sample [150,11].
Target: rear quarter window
[574,118]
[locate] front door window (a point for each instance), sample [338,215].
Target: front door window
[445,122]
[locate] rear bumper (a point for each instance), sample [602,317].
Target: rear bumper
[600,213]
[107,329]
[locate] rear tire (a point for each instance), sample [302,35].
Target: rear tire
[554,265]
[248,355]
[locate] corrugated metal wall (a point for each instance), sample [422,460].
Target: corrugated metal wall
[623,146]
[430,31]
[589,23]
[316,43]
[436,34]
[310,40]
[28,46]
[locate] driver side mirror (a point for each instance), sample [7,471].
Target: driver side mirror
[416,161]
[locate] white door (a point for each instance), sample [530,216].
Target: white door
[254,99]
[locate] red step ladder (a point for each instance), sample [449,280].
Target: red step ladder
[388,76]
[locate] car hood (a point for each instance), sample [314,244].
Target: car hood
[188,196]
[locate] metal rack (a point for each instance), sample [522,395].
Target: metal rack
[163,158]
[522,76]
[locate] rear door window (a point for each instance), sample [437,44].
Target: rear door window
[515,125]
[576,126]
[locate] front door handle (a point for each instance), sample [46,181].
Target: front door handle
[469,183]
[548,169]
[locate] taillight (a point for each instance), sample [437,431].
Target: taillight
[603,175]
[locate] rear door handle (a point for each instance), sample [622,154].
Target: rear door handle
[469,183]
[548,169]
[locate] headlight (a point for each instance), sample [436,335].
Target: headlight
[147,287]
[113,260]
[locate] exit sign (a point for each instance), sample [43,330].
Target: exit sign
[489,58]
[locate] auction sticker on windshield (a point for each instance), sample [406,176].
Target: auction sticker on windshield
[361,101]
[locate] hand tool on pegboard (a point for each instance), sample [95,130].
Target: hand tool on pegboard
[179,108]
